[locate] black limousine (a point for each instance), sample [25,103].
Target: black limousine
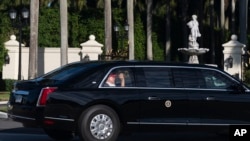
[98,100]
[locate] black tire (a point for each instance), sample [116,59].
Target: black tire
[103,121]
[59,135]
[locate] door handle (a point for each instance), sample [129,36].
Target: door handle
[210,98]
[153,98]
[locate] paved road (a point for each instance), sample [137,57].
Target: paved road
[136,137]
[13,131]
[43,137]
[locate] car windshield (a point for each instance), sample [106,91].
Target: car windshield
[67,71]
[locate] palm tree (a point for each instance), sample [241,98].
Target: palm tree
[34,16]
[168,31]
[64,31]
[149,30]
[211,9]
[243,20]
[108,26]
[222,14]
[106,5]
[233,4]
[130,14]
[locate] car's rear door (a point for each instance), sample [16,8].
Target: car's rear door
[160,103]
[125,96]
[189,80]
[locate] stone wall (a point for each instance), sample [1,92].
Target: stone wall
[48,58]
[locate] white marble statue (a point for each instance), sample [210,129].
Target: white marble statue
[195,33]
[193,49]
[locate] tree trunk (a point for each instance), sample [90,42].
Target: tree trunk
[168,31]
[149,30]
[212,40]
[243,21]
[184,11]
[108,26]
[130,14]
[233,16]
[33,54]
[222,14]
[64,31]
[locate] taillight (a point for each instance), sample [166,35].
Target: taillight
[44,94]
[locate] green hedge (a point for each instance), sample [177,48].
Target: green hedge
[6,84]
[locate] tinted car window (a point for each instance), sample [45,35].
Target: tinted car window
[88,81]
[126,72]
[216,80]
[158,77]
[67,71]
[188,78]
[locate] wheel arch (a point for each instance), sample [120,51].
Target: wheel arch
[108,103]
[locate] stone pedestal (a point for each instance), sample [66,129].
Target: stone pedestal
[193,53]
[233,51]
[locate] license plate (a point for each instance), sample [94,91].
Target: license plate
[19,98]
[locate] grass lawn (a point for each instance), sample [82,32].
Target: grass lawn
[4,96]
[3,108]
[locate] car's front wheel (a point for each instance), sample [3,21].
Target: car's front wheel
[99,123]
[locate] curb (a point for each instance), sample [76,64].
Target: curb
[2,114]
[3,102]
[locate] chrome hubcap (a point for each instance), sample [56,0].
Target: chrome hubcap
[101,126]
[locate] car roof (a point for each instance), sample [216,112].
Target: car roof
[150,63]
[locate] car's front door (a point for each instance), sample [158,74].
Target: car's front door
[224,101]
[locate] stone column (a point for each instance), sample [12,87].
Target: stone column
[91,49]
[10,71]
[233,51]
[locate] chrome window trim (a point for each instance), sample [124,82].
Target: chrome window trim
[153,88]
[168,66]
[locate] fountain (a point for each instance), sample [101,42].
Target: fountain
[193,49]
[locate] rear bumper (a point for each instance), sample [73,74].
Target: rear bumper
[28,116]
[26,121]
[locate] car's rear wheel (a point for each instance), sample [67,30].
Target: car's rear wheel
[99,123]
[59,135]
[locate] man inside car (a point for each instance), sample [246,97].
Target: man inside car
[111,80]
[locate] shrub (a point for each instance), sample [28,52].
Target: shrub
[247,77]
[9,84]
